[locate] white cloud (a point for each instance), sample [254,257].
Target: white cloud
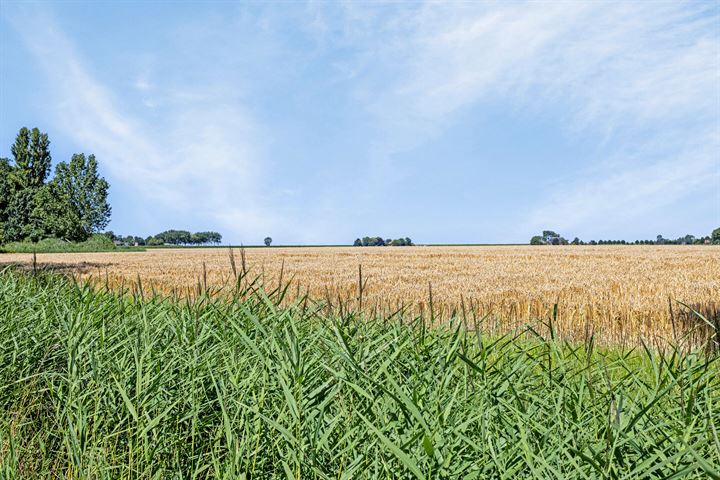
[603,59]
[142,84]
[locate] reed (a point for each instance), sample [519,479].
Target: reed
[97,384]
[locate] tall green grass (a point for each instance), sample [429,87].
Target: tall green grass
[100,385]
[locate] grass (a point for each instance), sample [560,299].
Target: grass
[98,384]
[96,243]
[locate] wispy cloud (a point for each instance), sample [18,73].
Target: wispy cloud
[612,197]
[643,77]
[322,99]
[201,159]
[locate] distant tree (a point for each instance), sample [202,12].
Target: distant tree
[175,237]
[576,241]
[593,242]
[379,242]
[715,236]
[184,237]
[549,236]
[267,241]
[203,238]
[537,240]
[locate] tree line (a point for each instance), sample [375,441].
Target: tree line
[168,237]
[380,242]
[549,237]
[71,205]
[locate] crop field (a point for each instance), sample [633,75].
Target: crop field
[618,294]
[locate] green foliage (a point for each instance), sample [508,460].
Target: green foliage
[74,203]
[551,238]
[715,236]
[57,216]
[6,191]
[98,385]
[25,176]
[96,243]
[380,242]
[71,206]
[153,241]
[537,240]
[183,237]
[31,152]
[267,241]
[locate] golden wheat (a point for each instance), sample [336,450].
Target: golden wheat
[617,293]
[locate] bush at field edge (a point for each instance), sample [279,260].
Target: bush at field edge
[96,243]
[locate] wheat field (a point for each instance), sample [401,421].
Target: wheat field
[618,294]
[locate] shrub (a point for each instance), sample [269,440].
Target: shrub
[96,243]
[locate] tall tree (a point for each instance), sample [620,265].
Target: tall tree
[31,152]
[31,158]
[5,193]
[73,205]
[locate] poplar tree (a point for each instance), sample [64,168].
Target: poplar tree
[5,194]
[30,168]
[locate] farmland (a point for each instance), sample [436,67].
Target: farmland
[618,294]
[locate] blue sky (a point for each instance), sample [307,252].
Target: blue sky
[320,122]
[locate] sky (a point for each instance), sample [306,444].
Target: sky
[320,122]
